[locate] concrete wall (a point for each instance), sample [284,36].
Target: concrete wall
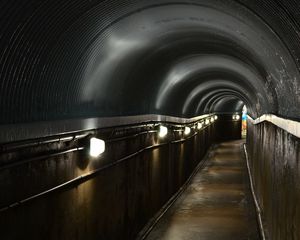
[113,203]
[112,197]
[275,163]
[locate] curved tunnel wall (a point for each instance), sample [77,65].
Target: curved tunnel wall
[74,59]
[77,59]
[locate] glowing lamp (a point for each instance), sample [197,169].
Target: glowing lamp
[236,117]
[97,147]
[187,130]
[163,131]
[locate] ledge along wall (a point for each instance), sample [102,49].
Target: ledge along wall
[274,156]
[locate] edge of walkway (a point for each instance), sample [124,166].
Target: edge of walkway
[257,206]
[159,215]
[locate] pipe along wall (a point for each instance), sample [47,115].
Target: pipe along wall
[274,156]
[119,193]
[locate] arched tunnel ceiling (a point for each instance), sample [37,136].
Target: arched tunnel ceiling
[206,103]
[75,58]
[227,103]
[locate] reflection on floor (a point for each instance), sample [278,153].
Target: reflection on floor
[217,204]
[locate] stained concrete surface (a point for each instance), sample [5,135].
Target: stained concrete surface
[216,205]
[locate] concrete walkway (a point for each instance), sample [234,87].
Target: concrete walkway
[217,204]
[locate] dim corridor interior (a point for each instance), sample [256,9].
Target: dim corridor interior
[217,204]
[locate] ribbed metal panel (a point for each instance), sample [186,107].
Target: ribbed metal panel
[52,51]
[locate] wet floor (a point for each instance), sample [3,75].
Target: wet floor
[217,204]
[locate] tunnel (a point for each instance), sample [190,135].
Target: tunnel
[149,119]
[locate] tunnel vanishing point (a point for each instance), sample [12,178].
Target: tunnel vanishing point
[122,119]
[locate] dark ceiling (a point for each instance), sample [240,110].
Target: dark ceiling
[76,58]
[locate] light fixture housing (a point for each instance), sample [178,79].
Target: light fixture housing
[97,147]
[206,121]
[163,131]
[216,117]
[236,117]
[187,130]
[199,126]
[212,119]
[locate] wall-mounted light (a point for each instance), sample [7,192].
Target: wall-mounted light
[97,147]
[236,117]
[187,130]
[212,119]
[163,131]
[206,121]
[216,117]
[199,126]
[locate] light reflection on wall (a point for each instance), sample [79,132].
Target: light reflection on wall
[156,174]
[181,163]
